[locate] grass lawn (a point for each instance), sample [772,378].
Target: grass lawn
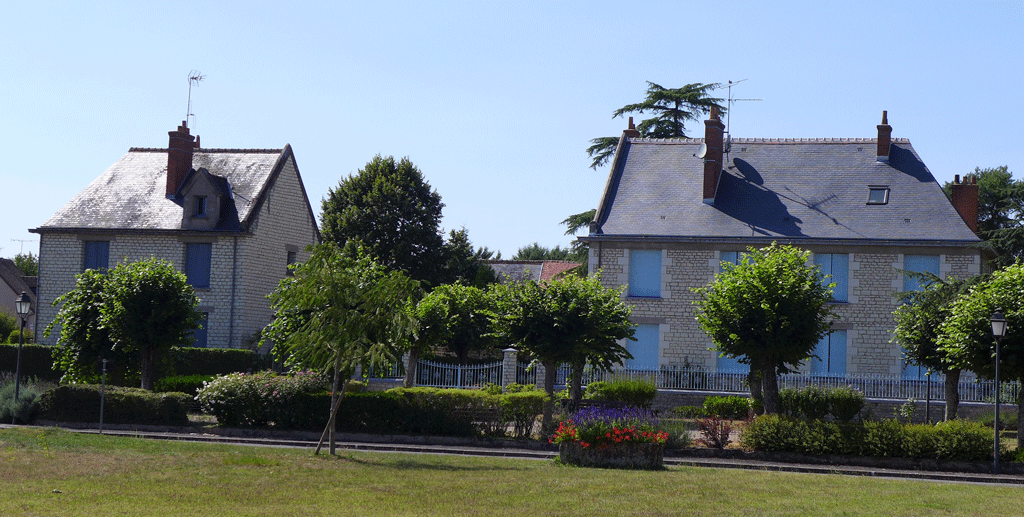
[54,473]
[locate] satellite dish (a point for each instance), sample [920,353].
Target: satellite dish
[702,151]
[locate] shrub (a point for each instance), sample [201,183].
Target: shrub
[23,410]
[690,411]
[258,399]
[638,393]
[7,325]
[732,407]
[515,387]
[81,403]
[884,438]
[714,432]
[596,427]
[816,403]
[678,433]
[189,384]
[844,404]
[27,336]
[36,361]
[209,361]
[962,440]
[521,409]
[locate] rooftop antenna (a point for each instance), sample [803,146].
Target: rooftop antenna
[728,114]
[193,77]
[22,241]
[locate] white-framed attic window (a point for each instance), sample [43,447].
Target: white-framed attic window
[878,195]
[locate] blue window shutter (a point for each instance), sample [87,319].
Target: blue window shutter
[918,264]
[97,255]
[197,263]
[645,273]
[837,265]
[644,349]
[831,352]
[731,365]
[199,335]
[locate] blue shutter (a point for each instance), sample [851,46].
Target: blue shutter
[731,365]
[918,264]
[199,335]
[831,352]
[644,349]
[837,265]
[197,263]
[645,273]
[97,255]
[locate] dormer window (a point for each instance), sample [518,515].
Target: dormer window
[200,207]
[878,195]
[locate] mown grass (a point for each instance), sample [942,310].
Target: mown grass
[52,472]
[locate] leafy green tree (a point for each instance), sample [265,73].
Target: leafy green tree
[571,320]
[463,264]
[966,335]
[7,325]
[338,312]
[27,263]
[137,311]
[456,317]
[769,311]
[388,209]
[1000,212]
[673,107]
[537,252]
[918,319]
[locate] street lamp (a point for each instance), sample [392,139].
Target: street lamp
[22,305]
[998,321]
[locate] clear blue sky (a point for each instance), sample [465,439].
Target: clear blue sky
[494,101]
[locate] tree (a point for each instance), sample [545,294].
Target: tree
[1000,212]
[390,211]
[673,107]
[571,320]
[769,311]
[918,319]
[537,252]
[137,310]
[456,317]
[966,335]
[338,312]
[464,265]
[27,263]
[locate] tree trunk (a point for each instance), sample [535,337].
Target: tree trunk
[146,368]
[576,386]
[550,372]
[336,396]
[770,382]
[410,368]
[1020,408]
[952,393]
[756,391]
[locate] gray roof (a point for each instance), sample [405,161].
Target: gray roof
[788,189]
[131,194]
[10,274]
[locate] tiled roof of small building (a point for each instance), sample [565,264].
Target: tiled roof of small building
[789,189]
[131,194]
[536,270]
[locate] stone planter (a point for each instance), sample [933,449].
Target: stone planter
[647,456]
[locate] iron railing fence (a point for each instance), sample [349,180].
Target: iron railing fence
[444,375]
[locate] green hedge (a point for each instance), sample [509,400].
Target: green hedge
[210,361]
[953,440]
[81,403]
[817,403]
[188,384]
[638,393]
[36,361]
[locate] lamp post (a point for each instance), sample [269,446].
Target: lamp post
[998,321]
[22,305]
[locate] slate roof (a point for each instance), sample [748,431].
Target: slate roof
[789,189]
[131,194]
[536,270]
[11,275]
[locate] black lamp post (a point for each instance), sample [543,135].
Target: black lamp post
[998,321]
[22,305]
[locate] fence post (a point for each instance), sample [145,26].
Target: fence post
[509,364]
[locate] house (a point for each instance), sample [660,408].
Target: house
[12,284]
[232,220]
[867,208]
[537,270]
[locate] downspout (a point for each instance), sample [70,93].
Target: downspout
[234,282]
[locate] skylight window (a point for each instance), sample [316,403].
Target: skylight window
[878,195]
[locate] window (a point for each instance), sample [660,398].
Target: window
[645,348]
[199,335]
[645,273]
[731,257]
[731,365]
[291,258]
[96,255]
[838,266]
[200,206]
[918,264]
[831,352]
[878,195]
[197,263]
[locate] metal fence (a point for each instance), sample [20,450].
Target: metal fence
[442,375]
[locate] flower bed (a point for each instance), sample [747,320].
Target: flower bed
[611,437]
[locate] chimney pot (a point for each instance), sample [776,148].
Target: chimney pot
[965,200]
[631,131]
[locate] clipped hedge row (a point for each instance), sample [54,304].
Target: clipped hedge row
[210,361]
[81,403]
[817,403]
[36,361]
[952,440]
[632,392]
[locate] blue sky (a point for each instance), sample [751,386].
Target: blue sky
[494,101]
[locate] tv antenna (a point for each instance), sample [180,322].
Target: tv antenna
[193,78]
[728,114]
[22,241]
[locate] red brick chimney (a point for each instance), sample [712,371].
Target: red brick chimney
[884,138]
[965,200]
[179,158]
[714,129]
[632,131]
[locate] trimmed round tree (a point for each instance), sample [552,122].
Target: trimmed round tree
[769,311]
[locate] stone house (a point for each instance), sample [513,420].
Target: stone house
[232,220]
[12,284]
[867,208]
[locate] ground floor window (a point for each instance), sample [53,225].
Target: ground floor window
[831,352]
[645,348]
